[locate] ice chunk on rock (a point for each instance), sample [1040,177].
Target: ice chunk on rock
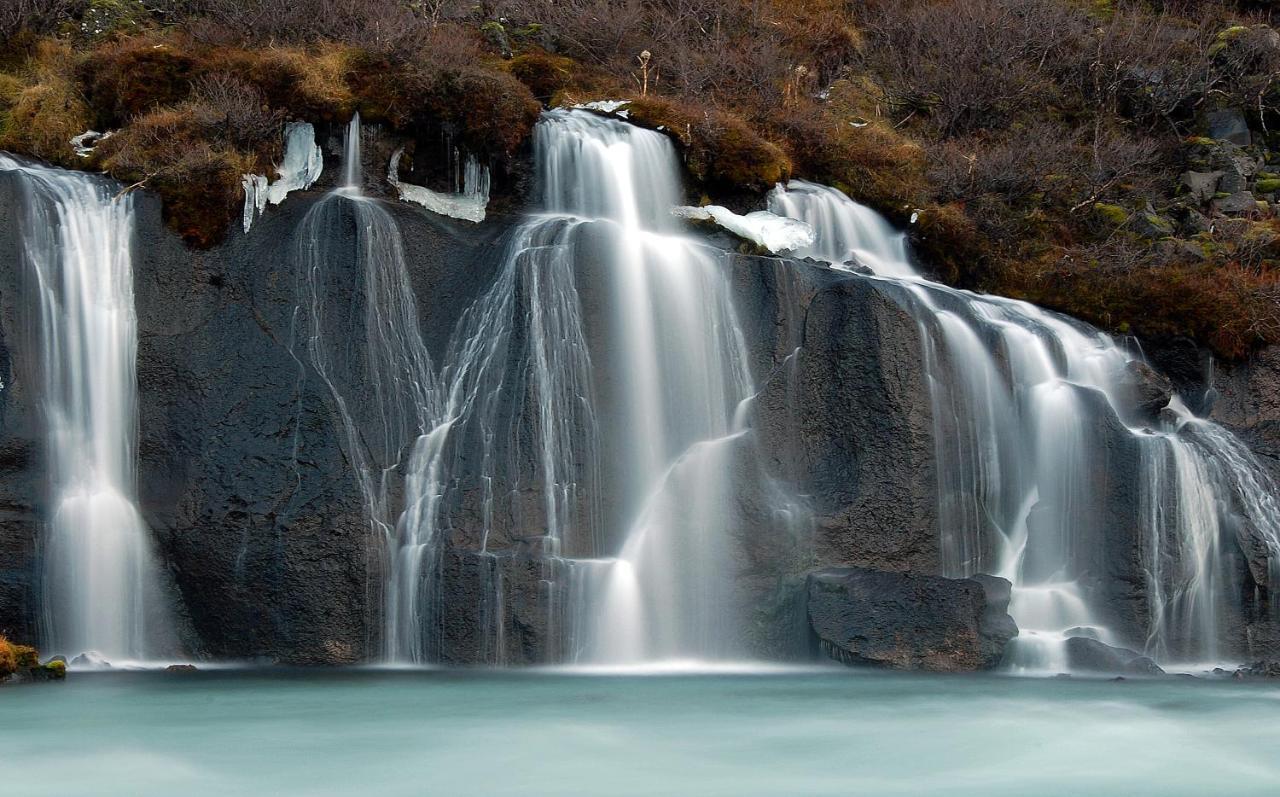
[302,165]
[84,143]
[468,205]
[769,230]
[255,197]
[605,106]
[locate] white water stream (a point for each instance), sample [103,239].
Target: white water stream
[1021,400]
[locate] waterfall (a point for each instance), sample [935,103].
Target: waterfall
[387,395]
[682,374]
[100,582]
[1023,401]
[501,451]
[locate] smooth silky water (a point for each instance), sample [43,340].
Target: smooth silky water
[1020,396]
[546,733]
[100,584]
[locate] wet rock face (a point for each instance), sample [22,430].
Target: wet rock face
[22,480]
[909,621]
[846,426]
[1086,655]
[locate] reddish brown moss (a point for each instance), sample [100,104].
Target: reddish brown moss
[133,75]
[556,80]
[1231,309]
[720,150]
[176,153]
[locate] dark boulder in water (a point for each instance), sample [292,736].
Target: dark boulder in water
[909,621]
[1091,656]
[1259,669]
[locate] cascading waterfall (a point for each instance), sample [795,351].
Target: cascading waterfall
[100,583]
[1018,394]
[389,401]
[513,412]
[682,376]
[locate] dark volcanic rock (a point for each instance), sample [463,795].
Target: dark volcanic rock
[1151,389]
[908,621]
[1259,669]
[846,426]
[1091,656]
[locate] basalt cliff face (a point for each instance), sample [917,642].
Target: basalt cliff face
[247,484]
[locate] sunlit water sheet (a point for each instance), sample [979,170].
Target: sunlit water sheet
[442,732]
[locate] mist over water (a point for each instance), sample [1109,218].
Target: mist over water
[531,734]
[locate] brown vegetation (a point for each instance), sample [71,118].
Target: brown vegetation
[1002,126]
[15,657]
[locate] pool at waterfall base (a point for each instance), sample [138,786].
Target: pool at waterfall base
[735,731]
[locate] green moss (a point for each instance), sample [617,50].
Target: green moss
[1268,186]
[1226,37]
[55,670]
[1110,214]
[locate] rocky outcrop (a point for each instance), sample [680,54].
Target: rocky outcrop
[909,621]
[1085,655]
[848,427]
[248,488]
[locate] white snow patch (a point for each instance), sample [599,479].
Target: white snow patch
[773,232]
[302,165]
[468,204]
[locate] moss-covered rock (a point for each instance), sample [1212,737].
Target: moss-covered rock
[22,663]
[1112,215]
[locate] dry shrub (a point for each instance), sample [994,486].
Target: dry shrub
[311,83]
[720,150]
[8,659]
[556,80]
[178,153]
[33,15]
[972,64]
[48,111]
[15,657]
[134,75]
[247,122]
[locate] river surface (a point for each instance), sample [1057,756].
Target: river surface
[222,732]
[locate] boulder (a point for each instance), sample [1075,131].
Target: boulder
[1259,669]
[1150,224]
[1241,202]
[1194,222]
[909,621]
[1200,185]
[1087,655]
[1232,183]
[1229,124]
